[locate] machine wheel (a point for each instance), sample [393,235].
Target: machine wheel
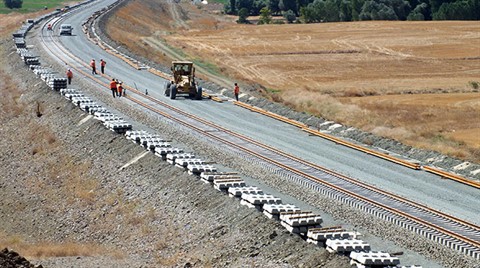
[199,93]
[167,89]
[173,92]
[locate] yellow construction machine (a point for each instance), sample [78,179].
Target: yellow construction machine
[183,81]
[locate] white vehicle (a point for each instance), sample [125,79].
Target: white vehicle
[66,29]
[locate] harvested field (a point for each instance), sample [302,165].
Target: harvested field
[332,69]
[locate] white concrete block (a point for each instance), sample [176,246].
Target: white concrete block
[374,258]
[261,199]
[210,176]
[276,209]
[297,219]
[322,234]
[225,184]
[184,162]
[238,191]
[163,151]
[346,245]
[197,169]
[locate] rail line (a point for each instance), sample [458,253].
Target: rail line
[450,231]
[437,171]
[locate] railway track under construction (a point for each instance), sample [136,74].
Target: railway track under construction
[450,231]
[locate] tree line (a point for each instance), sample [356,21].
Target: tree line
[311,11]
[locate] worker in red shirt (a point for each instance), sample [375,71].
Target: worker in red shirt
[69,76]
[94,67]
[113,87]
[102,66]
[119,89]
[236,90]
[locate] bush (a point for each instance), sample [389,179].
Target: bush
[289,16]
[242,15]
[13,3]
[474,84]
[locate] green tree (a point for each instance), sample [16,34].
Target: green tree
[232,7]
[285,5]
[13,3]
[302,3]
[307,14]
[257,6]
[248,4]
[265,16]
[459,10]
[345,11]
[332,11]
[289,15]
[273,6]
[356,9]
[373,10]
[420,12]
[243,15]
[401,7]
[435,4]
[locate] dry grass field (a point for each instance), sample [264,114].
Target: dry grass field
[411,81]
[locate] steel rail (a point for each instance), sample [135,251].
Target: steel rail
[296,171]
[304,174]
[304,127]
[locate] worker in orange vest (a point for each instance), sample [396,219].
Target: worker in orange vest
[69,76]
[94,67]
[113,87]
[119,89]
[236,90]
[102,65]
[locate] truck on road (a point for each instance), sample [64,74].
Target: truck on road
[66,29]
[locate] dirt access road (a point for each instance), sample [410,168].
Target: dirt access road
[331,70]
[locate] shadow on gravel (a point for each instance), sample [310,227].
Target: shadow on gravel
[11,259]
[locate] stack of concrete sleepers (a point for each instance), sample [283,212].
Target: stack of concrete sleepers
[19,42]
[300,222]
[144,140]
[238,191]
[57,83]
[197,169]
[223,185]
[273,211]
[137,135]
[184,162]
[319,236]
[373,259]
[208,177]
[345,246]
[154,143]
[163,151]
[258,200]
[172,156]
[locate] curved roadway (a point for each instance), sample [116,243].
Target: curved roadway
[445,195]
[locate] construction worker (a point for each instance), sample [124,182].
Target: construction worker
[236,90]
[113,87]
[119,89]
[94,67]
[69,76]
[102,65]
